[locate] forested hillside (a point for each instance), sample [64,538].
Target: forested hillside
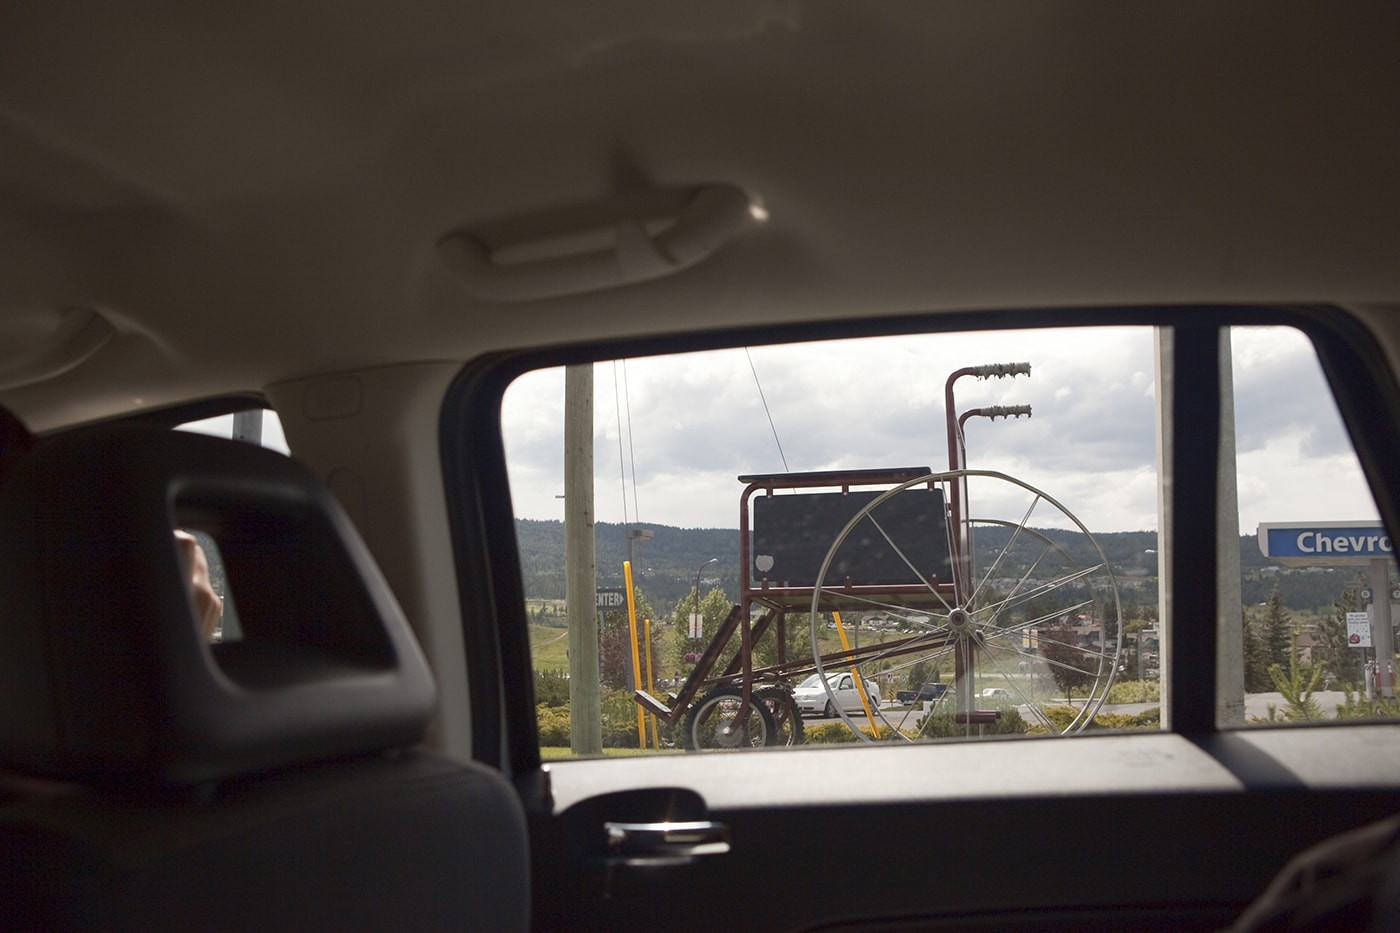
[666,565]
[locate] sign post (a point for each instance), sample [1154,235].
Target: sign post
[1359,629]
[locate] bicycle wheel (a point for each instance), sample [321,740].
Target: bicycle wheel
[1017,601]
[715,722]
[787,719]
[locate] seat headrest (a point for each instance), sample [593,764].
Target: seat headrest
[104,674]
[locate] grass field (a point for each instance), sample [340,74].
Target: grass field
[551,753]
[549,647]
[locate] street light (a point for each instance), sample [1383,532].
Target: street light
[636,534]
[697,622]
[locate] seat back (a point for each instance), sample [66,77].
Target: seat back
[268,781]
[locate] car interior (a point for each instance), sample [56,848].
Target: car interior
[342,291]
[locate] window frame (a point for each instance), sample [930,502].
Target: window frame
[482,521]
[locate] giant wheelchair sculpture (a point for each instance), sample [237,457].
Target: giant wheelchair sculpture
[965,570]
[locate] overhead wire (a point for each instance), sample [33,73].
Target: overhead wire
[762,398]
[621,461]
[622,406]
[631,449]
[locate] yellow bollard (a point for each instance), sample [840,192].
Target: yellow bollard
[636,662]
[860,681]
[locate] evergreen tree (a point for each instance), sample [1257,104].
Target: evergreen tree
[1276,631]
[1069,663]
[1256,658]
[1334,653]
[1297,689]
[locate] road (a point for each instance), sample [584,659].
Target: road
[1256,706]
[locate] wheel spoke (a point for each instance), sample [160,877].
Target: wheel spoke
[1005,550]
[987,645]
[918,574]
[1015,684]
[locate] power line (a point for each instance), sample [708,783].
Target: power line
[621,461]
[627,400]
[764,400]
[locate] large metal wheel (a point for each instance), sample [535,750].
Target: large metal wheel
[787,718]
[717,721]
[1017,605]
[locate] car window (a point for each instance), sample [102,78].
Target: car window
[979,510]
[257,425]
[1317,571]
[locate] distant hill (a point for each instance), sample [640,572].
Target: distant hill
[667,563]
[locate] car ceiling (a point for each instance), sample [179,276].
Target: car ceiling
[254,193]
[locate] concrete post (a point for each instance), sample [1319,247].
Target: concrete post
[585,705]
[1229,644]
[1163,344]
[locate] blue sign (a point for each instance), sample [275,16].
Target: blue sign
[1325,544]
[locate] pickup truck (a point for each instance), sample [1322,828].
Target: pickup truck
[929,691]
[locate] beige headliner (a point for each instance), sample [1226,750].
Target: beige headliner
[253,194]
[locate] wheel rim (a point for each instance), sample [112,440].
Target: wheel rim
[714,722]
[1024,602]
[787,721]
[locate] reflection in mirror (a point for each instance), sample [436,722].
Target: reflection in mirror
[209,590]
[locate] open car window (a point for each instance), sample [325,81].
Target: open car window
[1317,569]
[970,522]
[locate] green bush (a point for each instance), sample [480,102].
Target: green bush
[837,733]
[552,688]
[619,719]
[940,724]
[553,722]
[1135,691]
[1355,705]
[1062,716]
[619,723]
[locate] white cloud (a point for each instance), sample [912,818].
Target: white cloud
[692,423]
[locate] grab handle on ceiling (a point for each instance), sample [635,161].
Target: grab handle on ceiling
[80,333]
[713,217]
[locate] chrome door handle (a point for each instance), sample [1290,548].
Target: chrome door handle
[647,842]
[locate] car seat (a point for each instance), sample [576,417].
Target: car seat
[153,780]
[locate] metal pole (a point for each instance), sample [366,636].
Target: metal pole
[1382,635]
[960,539]
[698,618]
[636,658]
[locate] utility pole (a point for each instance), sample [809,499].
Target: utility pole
[581,600]
[247,426]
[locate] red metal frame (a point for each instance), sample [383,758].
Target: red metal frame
[777,601]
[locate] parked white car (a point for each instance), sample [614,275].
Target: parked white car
[812,698]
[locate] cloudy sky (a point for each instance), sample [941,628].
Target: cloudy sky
[672,434]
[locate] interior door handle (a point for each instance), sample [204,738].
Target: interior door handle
[669,842]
